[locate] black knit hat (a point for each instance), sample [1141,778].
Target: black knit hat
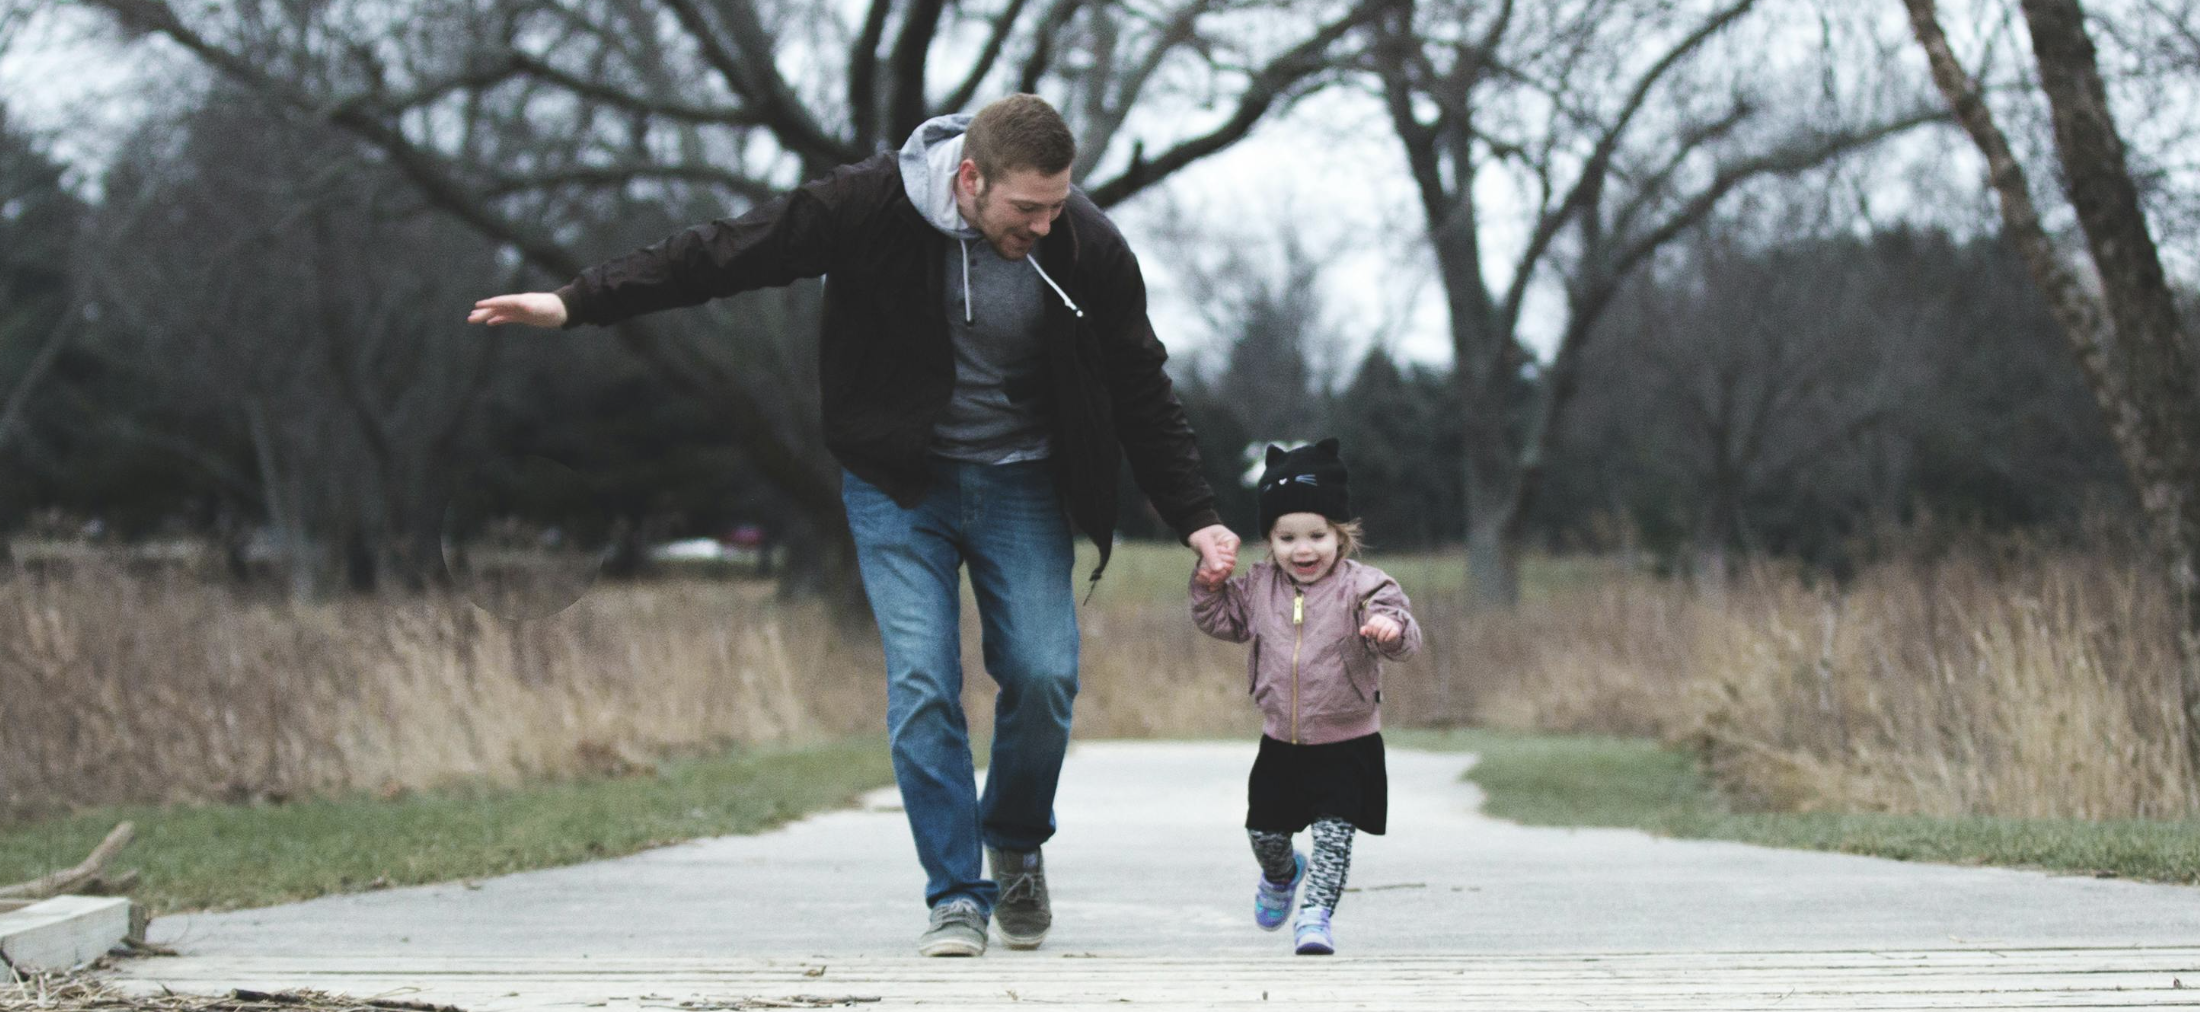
[1310,479]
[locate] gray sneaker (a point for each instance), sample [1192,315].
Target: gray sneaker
[958,929]
[1022,915]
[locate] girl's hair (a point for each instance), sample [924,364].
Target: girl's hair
[1350,537]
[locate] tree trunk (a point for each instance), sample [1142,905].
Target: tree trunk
[2164,451]
[1493,509]
[1713,567]
[2128,339]
[1493,564]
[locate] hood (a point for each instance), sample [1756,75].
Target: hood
[928,163]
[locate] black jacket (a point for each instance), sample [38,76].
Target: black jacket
[886,370]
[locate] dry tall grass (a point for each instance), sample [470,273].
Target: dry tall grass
[2031,684]
[136,686]
[2020,684]
[118,687]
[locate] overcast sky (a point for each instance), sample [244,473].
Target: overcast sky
[1329,170]
[1330,162]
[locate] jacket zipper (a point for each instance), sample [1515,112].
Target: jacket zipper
[1298,631]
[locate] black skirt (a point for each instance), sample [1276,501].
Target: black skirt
[1293,785]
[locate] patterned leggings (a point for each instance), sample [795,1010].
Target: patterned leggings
[1325,874]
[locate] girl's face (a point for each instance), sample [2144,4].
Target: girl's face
[1304,544]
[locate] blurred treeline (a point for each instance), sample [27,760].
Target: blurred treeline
[1802,398]
[252,333]
[243,325]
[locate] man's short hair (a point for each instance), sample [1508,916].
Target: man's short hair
[1019,132]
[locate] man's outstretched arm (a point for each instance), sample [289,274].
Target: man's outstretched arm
[792,236]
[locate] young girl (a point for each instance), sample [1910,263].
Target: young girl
[1320,624]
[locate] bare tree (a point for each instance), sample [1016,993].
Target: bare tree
[1271,313]
[1766,368]
[518,117]
[2127,333]
[1617,132]
[37,217]
[38,220]
[227,261]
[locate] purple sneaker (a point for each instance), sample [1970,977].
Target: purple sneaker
[1313,932]
[1272,902]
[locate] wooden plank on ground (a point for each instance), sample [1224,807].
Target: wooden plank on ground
[1656,982]
[63,932]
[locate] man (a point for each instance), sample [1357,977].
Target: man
[985,365]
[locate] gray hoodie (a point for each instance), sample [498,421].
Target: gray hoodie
[994,310]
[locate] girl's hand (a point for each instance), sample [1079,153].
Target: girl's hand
[1382,629]
[1217,549]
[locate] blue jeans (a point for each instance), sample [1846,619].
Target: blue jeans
[1007,522]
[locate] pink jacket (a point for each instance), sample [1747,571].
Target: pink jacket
[1313,675]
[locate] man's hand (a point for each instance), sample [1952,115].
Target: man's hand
[1217,549]
[536,309]
[1382,629]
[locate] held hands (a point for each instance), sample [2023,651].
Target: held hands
[1217,549]
[1382,629]
[536,309]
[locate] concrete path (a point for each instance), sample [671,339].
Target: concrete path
[1151,870]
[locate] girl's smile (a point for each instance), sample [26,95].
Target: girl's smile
[1304,544]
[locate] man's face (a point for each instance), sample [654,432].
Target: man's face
[1304,545]
[1015,211]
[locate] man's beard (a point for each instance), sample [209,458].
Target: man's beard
[1000,240]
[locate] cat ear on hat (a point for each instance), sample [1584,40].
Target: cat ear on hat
[1327,448]
[1275,453]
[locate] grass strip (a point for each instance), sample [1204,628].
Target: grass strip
[216,857]
[1591,780]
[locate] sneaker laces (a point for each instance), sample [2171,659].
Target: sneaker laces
[1023,885]
[960,908]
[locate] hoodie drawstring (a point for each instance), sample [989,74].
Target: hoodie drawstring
[1033,256]
[966,279]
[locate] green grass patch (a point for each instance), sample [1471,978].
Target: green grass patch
[229,856]
[1588,780]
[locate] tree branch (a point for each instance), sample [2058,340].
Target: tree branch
[1396,48]
[963,93]
[863,72]
[721,115]
[2080,315]
[1691,140]
[907,108]
[613,175]
[11,410]
[747,423]
[1797,156]
[1265,89]
[1041,57]
[1106,111]
[1594,168]
[486,74]
[755,76]
[1593,296]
